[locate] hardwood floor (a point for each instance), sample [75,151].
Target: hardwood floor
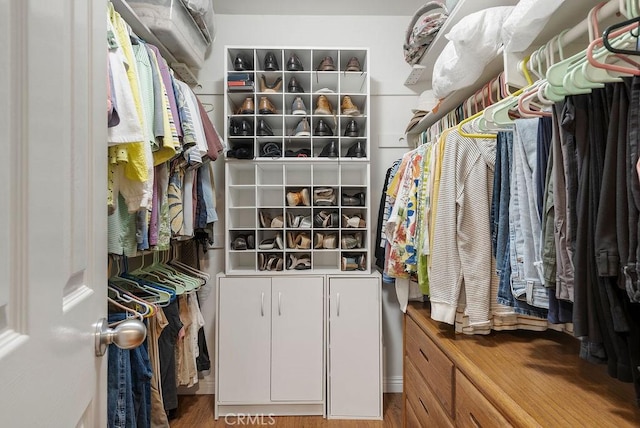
[196,411]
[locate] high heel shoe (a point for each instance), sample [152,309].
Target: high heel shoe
[298,263]
[324,196]
[300,241]
[355,222]
[271,243]
[326,241]
[298,198]
[349,242]
[357,200]
[275,87]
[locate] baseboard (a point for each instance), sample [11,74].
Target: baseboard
[392,384]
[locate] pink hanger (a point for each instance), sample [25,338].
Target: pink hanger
[613,67]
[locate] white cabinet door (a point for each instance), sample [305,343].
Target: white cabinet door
[244,340]
[354,348]
[297,339]
[53,224]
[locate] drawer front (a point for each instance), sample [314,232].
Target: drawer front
[411,420]
[425,405]
[472,409]
[431,363]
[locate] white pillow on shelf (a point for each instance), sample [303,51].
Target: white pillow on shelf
[474,42]
[529,17]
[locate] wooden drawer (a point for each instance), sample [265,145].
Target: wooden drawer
[425,405]
[431,363]
[411,420]
[472,409]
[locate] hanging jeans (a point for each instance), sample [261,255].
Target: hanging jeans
[120,408]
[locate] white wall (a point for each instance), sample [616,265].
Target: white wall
[390,105]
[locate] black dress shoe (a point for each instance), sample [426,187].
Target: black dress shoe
[294,86]
[243,128]
[242,63]
[270,62]
[330,150]
[322,129]
[294,63]
[352,129]
[264,130]
[357,200]
[240,153]
[357,150]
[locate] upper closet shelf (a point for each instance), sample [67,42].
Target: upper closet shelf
[422,71]
[183,71]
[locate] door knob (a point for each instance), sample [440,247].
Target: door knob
[128,334]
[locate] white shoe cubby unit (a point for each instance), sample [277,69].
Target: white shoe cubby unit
[300,211]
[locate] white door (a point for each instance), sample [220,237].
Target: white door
[297,339]
[355,390]
[52,212]
[244,340]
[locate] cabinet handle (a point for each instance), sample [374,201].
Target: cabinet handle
[474,421]
[262,305]
[424,355]
[338,304]
[279,303]
[423,406]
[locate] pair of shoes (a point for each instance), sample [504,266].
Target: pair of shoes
[271,243]
[330,150]
[323,106]
[241,152]
[357,150]
[302,129]
[354,262]
[241,129]
[298,107]
[349,242]
[324,196]
[300,262]
[266,106]
[267,222]
[300,241]
[355,221]
[270,262]
[353,64]
[352,129]
[322,129]
[326,64]
[247,107]
[294,63]
[302,153]
[243,242]
[294,86]
[270,62]
[298,221]
[356,200]
[274,87]
[242,63]
[325,219]
[348,108]
[326,241]
[298,198]
[263,129]
[271,150]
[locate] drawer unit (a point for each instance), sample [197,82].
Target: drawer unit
[472,409]
[422,401]
[431,363]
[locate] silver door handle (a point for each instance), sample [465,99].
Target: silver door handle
[262,305]
[338,305]
[128,334]
[279,303]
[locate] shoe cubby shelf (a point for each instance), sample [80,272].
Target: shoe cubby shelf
[297,103]
[297,169]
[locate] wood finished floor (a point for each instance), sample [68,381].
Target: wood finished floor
[196,411]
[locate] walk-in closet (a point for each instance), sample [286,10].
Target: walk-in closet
[332,214]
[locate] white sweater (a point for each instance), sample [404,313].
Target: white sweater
[462,232]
